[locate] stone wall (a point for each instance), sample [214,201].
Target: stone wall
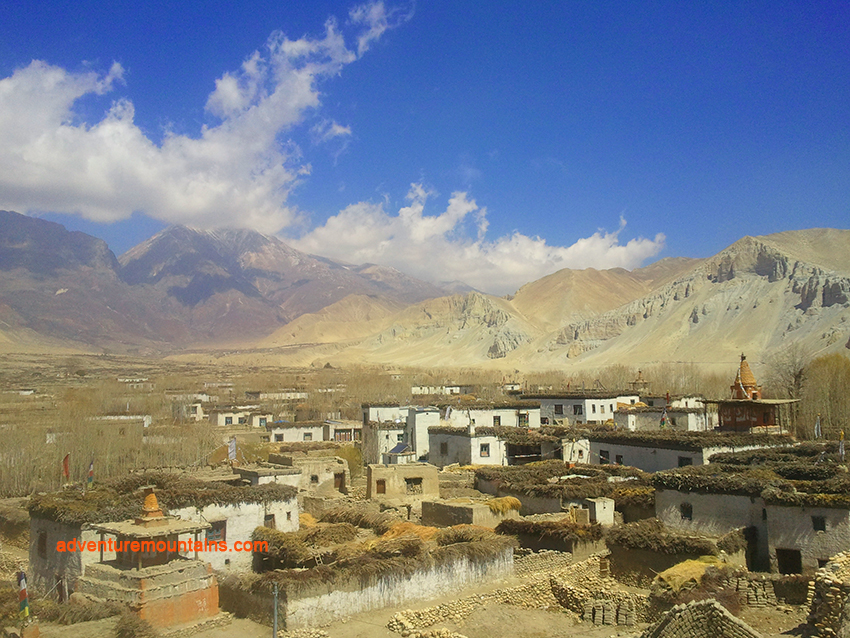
[587,589]
[327,602]
[703,619]
[536,593]
[829,593]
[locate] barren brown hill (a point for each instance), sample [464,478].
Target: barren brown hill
[572,295]
[759,295]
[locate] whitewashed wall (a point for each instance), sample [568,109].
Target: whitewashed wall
[393,591]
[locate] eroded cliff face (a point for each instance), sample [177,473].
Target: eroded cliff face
[478,324]
[748,275]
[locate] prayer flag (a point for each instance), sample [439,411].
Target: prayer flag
[23,600]
[66,466]
[664,418]
[231,449]
[817,428]
[91,473]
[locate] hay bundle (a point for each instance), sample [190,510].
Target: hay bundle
[307,520]
[285,549]
[410,529]
[504,504]
[407,546]
[324,534]
[463,534]
[366,518]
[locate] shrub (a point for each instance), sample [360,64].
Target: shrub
[129,625]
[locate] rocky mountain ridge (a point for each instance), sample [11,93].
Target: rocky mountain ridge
[252,293]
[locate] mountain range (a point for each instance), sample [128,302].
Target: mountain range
[244,296]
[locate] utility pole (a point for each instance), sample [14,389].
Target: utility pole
[274,635]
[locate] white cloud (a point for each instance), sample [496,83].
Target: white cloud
[236,172]
[377,19]
[434,247]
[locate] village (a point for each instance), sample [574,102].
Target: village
[586,511]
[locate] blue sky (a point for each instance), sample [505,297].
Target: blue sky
[492,144]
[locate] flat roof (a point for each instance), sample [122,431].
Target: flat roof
[169,527]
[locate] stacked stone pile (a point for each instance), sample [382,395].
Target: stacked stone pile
[599,600]
[828,596]
[755,591]
[702,619]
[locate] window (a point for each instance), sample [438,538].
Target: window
[217,532]
[687,511]
[243,420]
[263,421]
[559,408]
[289,516]
[278,438]
[314,479]
[485,450]
[228,420]
[611,408]
[684,461]
[399,438]
[763,514]
[581,454]
[593,408]
[523,419]
[444,448]
[308,436]
[577,410]
[766,418]
[544,420]
[618,459]
[42,544]
[822,562]
[268,521]
[380,486]
[650,402]
[497,421]
[604,457]
[602,409]
[819,523]
[193,409]
[413,485]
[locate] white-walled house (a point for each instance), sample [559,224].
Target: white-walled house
[521,414]
[381,438]
[419,419]
[791,532]
[246,416]
[640,418]
[398,424]
[457,445]
[233,514]
[298,431]
[578,408]
[664,450]
[384,412]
